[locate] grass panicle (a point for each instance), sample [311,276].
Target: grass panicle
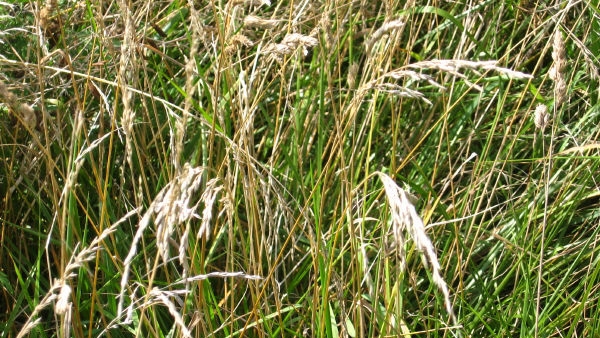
[406,219]
[557,71]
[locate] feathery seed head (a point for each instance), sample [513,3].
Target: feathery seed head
[541,117]
[290,43]
[557,71]
[406,219]
[384,29]
[63,304]
[252,21]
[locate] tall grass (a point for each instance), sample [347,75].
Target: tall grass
[299,169]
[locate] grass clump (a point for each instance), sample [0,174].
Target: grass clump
[257,169]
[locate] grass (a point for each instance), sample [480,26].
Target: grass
[293,169]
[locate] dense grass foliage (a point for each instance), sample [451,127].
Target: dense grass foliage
[299,168]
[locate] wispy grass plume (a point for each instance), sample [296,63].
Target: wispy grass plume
[406,219]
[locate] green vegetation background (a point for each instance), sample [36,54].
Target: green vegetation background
[217,168]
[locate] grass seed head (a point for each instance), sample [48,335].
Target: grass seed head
[236,42]
[253,21]
[406,219]
[63,304]
[352,73]
[23,111]
[557,72]
[541,117]
[384,29]
[289,44]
